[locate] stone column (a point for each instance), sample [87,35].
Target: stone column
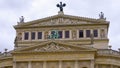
[70,34]
[60,64]
[91,31]
[36,35]
[106,33]
[76,64]
[43,35]
[29,38]
[96,66]
[77,34]
[14,64]
[44,64]
[63,33]
[92,63]
[29,64]
[99,33]
[84,33]
[111,66]
[22,36]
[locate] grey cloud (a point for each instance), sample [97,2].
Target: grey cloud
[12,9]
[15,4]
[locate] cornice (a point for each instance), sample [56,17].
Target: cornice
[78,40]
[6,58]
[57,52]
[96,21]
[108,53]
[66,48]
[67,25]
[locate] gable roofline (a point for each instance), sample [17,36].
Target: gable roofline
[61,16]
[56,42]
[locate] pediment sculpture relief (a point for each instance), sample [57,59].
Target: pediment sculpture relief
[52,47]
[60,21]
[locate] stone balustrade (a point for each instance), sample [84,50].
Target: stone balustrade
[108,52]
[5,54]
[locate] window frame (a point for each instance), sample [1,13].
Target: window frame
[67,35]
[88,33]
[60,36]
[26,35]
[95,34]
[33,35]
[39,37]
[81,33]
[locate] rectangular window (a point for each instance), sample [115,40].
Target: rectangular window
[95,32]
[67,34]
[60,34]
[26,35]
[81,34]
[39,35]
[88,33]
[33,35]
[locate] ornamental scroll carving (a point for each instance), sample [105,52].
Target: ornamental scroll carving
[53,47]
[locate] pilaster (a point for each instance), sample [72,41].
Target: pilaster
[92,64]
[77,34]
[76,64]
[84,33]
[60,64]
[99,33]
[96,66]
[43,35]
[111,66]
[14,64]
[63,34]
[44,64]
[36,35]
[22,36]
[29,36]
[29,64]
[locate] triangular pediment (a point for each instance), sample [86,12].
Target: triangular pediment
[55,47]
[61,20]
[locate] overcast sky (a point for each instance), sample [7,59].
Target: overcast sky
[11,10]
